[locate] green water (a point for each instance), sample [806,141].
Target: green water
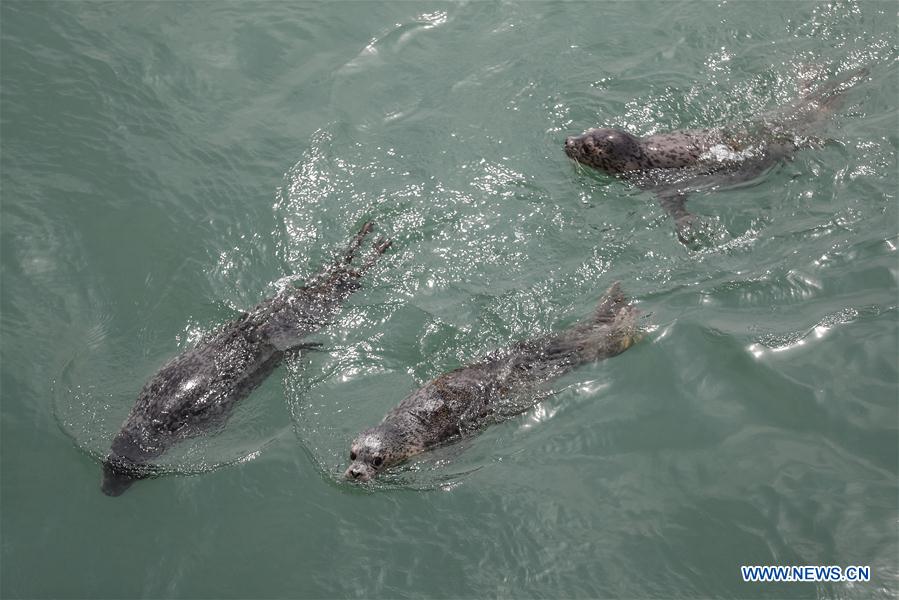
[165,165]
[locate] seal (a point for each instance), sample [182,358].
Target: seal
[675,163]
[462,401]
[196,391]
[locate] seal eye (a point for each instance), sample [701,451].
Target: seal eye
[352,456]
[378,461]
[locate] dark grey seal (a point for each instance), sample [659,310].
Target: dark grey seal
[676,163]
[464,400]
[197,390]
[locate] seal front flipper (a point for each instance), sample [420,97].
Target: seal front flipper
[285,333]
[674,204]
[288,341]
[693,232]
[309,346]
[297,349]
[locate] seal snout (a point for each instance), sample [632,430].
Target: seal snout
[583,147]
[358,472]
[572,146]
[115,479]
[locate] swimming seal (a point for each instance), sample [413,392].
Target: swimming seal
[675,163]
[197,390]
[461,401]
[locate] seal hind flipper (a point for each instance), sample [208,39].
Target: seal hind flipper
[818,104]
[615,311]
[341,263]
[283,331]
[342,274]
[378,248]
[356,242]
[609,304]
[833,90]
[309,346]
[611,329]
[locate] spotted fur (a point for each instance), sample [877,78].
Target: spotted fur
[675,163]
[462,401]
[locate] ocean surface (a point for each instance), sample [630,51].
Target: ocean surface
[166,165]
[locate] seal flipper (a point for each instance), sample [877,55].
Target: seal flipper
[287,339]
[342,262]
[830,95]
[618,318]
[611,329]
[817,105]
[674,203]
[304,347]
[609,304]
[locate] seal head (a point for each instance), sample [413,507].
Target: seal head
[377,448]
[128,460]
[610,150]
[118,476]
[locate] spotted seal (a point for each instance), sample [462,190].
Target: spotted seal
[461,401]
[675,163]
[197,390]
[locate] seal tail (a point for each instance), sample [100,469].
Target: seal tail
[819,104]
[610,330]
[342,270]
[829,96]
[609,304]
